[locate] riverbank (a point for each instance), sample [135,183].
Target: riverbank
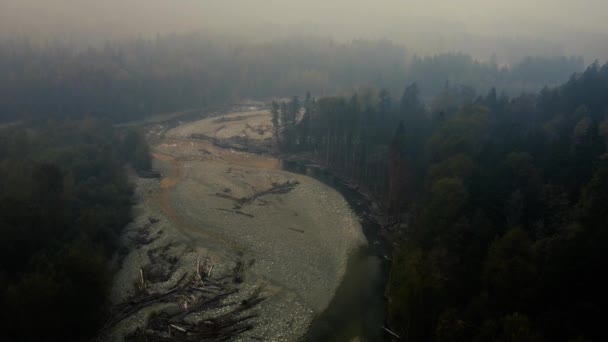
[295,244]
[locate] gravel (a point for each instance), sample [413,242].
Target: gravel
[295,247]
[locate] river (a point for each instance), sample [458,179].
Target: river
[300,241]
[358,307]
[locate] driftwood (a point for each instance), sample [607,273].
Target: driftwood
[202,137]
[236,143]
[143,280]
[128,308]
[392,333]
[162,264]
[297,230]
[261,130]
[210,303]
[236,212]
[233,119]
[155,174]
[226,196]
[276,189]
[195,294]
[219,128]
[142,235]
[239,203]
[238,272]
[164,326]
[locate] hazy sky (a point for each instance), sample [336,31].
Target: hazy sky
[110,19]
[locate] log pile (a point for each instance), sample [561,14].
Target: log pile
[194,315]
[276,189]
[240,144]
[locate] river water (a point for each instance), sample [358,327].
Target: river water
[358,307]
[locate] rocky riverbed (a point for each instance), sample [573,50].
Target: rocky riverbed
[291,234]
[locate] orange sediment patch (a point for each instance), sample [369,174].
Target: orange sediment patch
[168,182]
[251,160]
[163,157]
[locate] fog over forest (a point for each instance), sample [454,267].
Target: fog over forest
[281,170]
[482,28]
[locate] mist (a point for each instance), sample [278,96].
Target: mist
[281,170]
[478,27]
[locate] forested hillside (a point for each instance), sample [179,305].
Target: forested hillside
[64,200]
[505,197]
[123,81]
[527,75]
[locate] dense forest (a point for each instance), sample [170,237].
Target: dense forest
[123,81]
[64,200]
[500,202]
[495,184]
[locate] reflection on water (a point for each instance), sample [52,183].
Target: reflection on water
[358,308]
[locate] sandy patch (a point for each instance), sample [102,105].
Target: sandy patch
[255,125]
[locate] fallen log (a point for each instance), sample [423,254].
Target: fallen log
[236,212]
[276,189]
[192,294]
[122,311]
[221,195]
[152,174]
[391,333]
[177,328]
[205,304]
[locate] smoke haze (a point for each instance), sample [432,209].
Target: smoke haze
[563,26]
